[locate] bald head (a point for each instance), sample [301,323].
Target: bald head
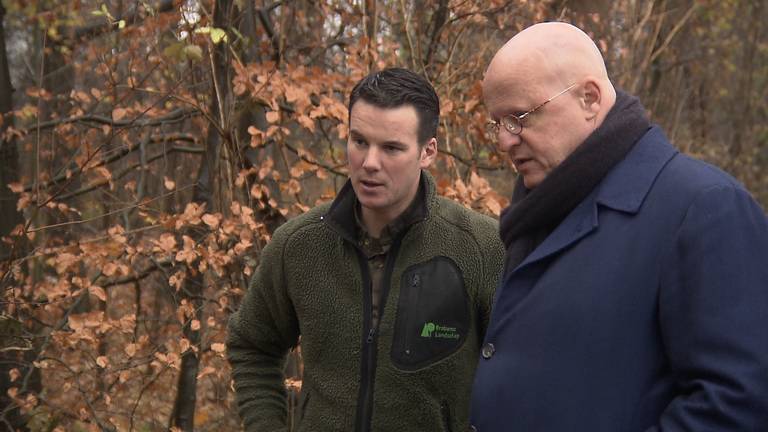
[554,52]
[556,69]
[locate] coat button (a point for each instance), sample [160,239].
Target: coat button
[488,350]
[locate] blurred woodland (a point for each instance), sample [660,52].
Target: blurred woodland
[149,148]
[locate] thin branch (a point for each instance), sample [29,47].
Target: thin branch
[156,265]
[674,32]
[331,169]
[47,227]
[470,162]
[101,26]
[122,173]
[126,150]
[266,22]
[491,11]
[172,117]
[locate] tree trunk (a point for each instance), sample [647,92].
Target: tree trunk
[11,330]
[9,157]
[183,415]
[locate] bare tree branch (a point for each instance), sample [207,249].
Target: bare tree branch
[174,116]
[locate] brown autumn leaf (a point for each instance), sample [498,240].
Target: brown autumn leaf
[80,96]
[188,253]
[191,215]
[118,113]
[24,201]
[293,186]
[273,116]
[218,348]
[103,172]
[478,185]
[294,384]
[130,350]
[206,371]
[306,122]
[64,261]
[295,93]
[228,226]
[212,220]
[471,104]
[102,361]
[177,279]
[109,269]
[166,243]
[168,183]
[342,130]
[299,168]
[98,292]
[37,92]
[266,167]
[493,205]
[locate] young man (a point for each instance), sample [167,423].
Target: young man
[389,286]
[635,291]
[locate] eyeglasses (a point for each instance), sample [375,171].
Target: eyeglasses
[514,123]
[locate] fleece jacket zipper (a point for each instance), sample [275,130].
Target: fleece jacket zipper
[370,337]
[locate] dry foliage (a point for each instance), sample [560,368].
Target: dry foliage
[160,143]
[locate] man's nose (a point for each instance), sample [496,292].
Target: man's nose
[372,159]
[507,140]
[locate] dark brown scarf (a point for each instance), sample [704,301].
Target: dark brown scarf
[533,214]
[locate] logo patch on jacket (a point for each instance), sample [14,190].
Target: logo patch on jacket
[437,331]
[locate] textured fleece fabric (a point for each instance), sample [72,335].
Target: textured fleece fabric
[310,284]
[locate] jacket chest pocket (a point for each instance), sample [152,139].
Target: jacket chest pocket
[432,314]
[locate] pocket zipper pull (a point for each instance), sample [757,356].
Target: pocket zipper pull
[370,335]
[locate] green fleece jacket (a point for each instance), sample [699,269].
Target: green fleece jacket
[412,373]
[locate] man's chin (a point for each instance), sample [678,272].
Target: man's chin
[371,204]
[531,181]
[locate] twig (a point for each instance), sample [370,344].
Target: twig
[47,227]
[122,152]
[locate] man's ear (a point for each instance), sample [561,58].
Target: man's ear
[428,153]
[591,98]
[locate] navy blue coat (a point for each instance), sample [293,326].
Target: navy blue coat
[647,309]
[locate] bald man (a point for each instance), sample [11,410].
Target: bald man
[635,289]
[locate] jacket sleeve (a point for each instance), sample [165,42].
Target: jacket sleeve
[714,314]
[259,336]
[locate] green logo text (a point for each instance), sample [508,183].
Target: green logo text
[432,330]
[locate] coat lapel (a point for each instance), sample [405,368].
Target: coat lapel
[623,189]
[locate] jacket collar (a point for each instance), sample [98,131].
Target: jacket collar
[624,189]
[341,214]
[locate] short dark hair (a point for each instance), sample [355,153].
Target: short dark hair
[395,87]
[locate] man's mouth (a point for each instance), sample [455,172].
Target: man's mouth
[370,183]
[520,162]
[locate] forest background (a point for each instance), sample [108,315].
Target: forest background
[149,148]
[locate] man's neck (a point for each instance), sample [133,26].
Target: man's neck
[375,222]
